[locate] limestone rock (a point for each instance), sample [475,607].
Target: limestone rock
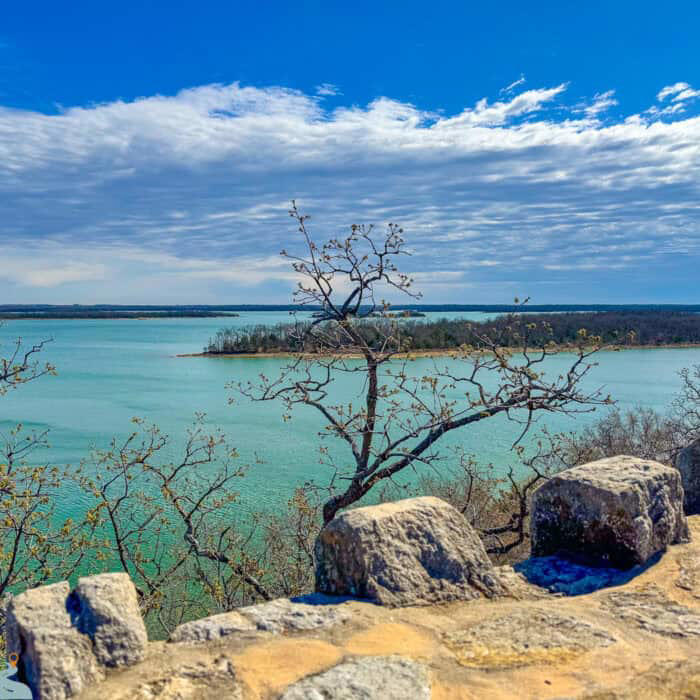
[525,637]
[689,573]
[56,660]
[195,681]
[283,615]
[654,612]
[369,678]
[688,464]
[617,511]
[413,552]
[213,627]
[107,610]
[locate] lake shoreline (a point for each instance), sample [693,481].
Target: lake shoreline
[424,353]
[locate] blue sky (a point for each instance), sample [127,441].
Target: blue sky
[149,152]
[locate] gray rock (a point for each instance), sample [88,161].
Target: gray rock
[688,464]
[368,678]
[617,512]
[213,627]
[283,615]
[654,612]
[413,552]
[56,660]
[105,607]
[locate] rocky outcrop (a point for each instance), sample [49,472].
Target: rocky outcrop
[618,512]
[64,640]
[413,552]
[688,464]
[635,640]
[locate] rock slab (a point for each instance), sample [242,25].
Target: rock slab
[107,610]
[525,637]
[617,512]
[688,464]
[369,678]
[277,616]
[56,659]
[412,552]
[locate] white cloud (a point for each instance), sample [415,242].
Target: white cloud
[671,90]
[327,90]
[687,94]
[514,84]
[185,198]
[601,103]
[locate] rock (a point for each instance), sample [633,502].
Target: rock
[525,637]
[689,573]
[369,678]
[105,607]
[413,552]
[688,464]
[617,512]
[277,616]
[196,681]
[283,615]
[213,627]
[56,660]
[654,612]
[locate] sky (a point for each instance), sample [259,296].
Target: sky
[149,150]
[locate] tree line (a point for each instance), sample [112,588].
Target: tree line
[626,328]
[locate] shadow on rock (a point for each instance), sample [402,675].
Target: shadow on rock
[570,577]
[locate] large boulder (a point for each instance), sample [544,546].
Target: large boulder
[413,552]
[64,640]
[618,511]
[56,660]
[107,610]
[688,464]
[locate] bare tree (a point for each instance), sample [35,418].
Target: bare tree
[686,406]
[400,416]
[169,523]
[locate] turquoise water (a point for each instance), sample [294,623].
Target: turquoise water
[112,370]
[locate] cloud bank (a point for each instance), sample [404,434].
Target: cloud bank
[184,198]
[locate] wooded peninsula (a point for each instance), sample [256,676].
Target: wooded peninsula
[623,328]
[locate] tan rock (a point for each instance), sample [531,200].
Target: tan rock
[526,637]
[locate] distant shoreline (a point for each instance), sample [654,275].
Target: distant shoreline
[117,316]
[425,353]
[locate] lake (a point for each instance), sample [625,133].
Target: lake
[112,370]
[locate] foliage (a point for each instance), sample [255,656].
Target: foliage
[35,546]
[170,524]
